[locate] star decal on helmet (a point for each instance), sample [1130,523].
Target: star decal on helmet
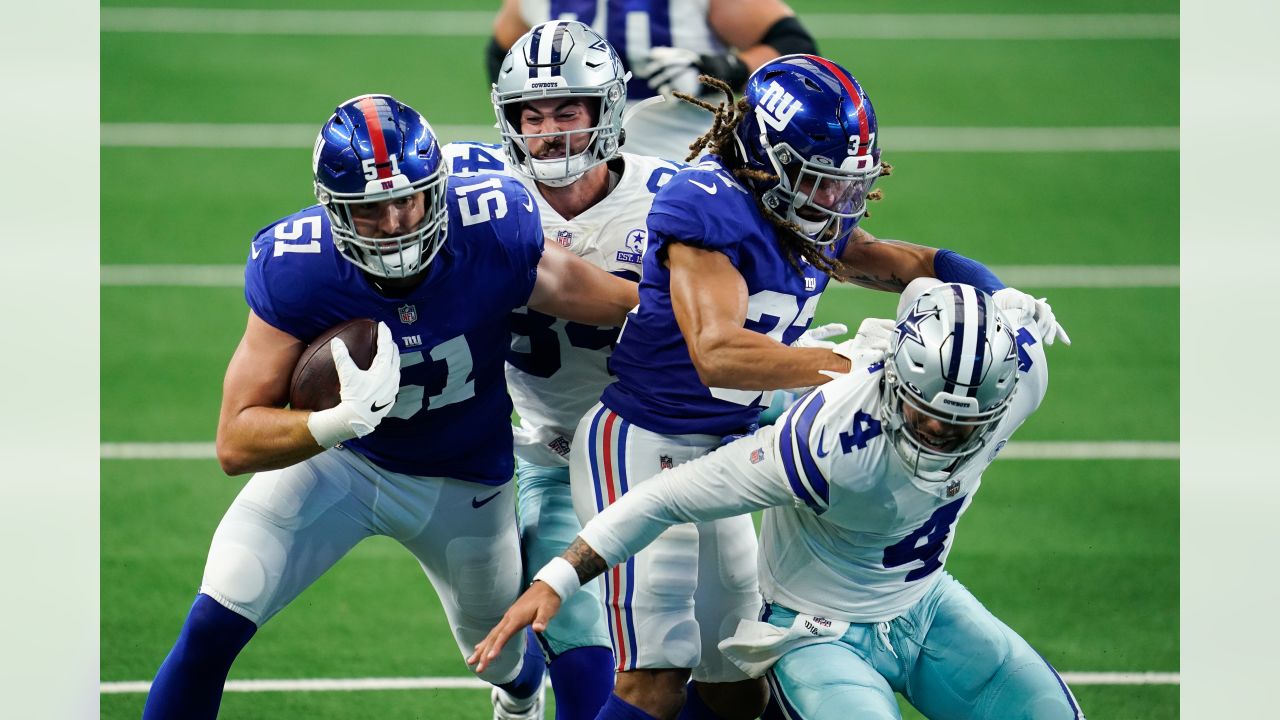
[1013,343]
[909,328]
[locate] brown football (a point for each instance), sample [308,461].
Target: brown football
[315,379]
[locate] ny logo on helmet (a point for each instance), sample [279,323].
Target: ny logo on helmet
[777,106]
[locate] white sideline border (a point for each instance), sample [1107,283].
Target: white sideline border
[473,683]
[823,26]
[1020,276]
[1029,450]
[898,139]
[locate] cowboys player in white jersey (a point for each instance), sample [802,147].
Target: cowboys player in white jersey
[862,483]
[560,99]
[666,44]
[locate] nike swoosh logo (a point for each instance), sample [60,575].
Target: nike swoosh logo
[711,189]
[375,407]
[821,435]
[255,252]
[480,503]
[528,203]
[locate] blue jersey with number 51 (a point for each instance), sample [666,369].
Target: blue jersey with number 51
[658,387]
[452,417]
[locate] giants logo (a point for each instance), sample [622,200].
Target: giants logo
[777,106]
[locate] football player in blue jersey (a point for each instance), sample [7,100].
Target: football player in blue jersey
[666,44]
[740,248]
[862,485]
[559,100]
[419,448]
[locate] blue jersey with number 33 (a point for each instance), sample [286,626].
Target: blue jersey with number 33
[452,417]
[658,387]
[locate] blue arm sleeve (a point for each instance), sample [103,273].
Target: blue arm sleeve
[950,266]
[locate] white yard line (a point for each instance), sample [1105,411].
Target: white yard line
[897,139]
[1068,450]
[831,26]
[1022,276]
[1052,450]
[471,683]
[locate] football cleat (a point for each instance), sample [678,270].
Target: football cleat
[508,707]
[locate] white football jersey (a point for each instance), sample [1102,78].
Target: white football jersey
[848,533]
[664,129]
[874,536]
[557,369]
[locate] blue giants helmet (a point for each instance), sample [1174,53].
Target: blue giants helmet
[375,148]
[810,124]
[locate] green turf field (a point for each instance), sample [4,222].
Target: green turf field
[1081,556]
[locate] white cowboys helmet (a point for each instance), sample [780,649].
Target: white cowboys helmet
[561,58]
[953,359]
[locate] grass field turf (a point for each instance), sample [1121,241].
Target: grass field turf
[1081,557]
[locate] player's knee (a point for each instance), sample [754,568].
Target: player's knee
[681,646]
[238,575]
[742,700]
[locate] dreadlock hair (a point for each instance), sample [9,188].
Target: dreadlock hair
[720,140]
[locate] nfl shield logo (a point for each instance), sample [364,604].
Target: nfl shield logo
[664,462]
[408,314]
[564,237]
[757,455]
[953,488]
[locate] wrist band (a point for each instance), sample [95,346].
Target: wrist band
[330,427]
[561,576]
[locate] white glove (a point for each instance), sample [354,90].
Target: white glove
[672,69]
[867,347]
[817,337]
[366,395]
[1024,308]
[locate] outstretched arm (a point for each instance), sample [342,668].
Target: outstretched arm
[721,484]
[884,264]
[709,299]
[891,264]
[572,288]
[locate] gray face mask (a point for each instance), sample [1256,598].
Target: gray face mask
[954,360]
[554,60]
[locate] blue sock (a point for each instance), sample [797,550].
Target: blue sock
[529,681]
[189,682]
[615,708]
[583,680]
[694,707]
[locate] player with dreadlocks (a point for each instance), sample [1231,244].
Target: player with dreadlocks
[740,248]
[722,141]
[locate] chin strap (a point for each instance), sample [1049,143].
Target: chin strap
[642,105]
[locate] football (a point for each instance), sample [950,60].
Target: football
[314,385]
